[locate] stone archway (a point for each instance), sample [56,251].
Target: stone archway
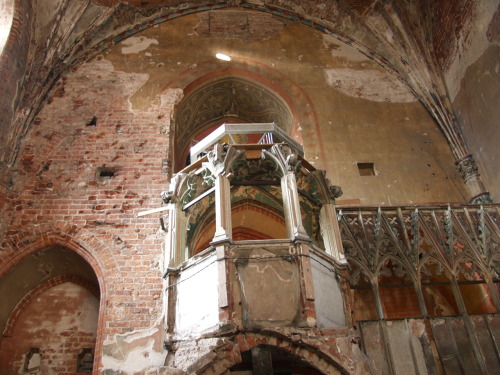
[52,308]
[218,356]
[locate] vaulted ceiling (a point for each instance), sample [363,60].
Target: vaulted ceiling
[416,41]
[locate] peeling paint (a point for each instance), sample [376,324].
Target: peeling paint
[134,352]
[369,84]
[339,50]
[471,46]
[136,44]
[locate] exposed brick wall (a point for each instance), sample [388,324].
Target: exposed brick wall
[56,190]
[449,20]
[12,67]
[59,322]
[40,289]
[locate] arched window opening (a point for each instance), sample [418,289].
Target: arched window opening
[474,290]
[50,310]
[397,291]
[257,210]
[200,224]
[252,219]
[437,289]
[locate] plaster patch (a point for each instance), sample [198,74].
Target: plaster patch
[369,84]
[136,360]
[340,50]
[136,44]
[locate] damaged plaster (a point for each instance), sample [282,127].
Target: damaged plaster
[472,44]
[136,44]
[339,50]
[134,352]
[369,84]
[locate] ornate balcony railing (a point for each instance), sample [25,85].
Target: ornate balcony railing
[464,239]
[425,277]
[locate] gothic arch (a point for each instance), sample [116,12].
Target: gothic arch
[228,353]
[46,285]
[64,239]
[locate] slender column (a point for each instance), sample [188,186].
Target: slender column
[222,283]
[330,232]
[174,237]
[291,205]
[421,300]
[171,298]
[223,226]
[469,327]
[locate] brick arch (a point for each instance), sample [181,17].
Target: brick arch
[39,289]
[228,354]
[24,244]
[79,241]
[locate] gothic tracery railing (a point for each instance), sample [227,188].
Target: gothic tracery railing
[428,246]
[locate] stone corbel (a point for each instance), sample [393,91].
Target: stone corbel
[176,182]
[328,191]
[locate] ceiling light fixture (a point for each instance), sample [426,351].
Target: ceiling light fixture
[221,56]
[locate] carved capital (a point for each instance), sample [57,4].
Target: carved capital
[170,195]
[288,157]
[483,198]
[467,167]
[220,158]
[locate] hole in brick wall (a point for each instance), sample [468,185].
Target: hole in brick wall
[85,361]
[92,122]
[366,169]
[32,361]
[105,173]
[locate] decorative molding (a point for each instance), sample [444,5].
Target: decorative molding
[467,167]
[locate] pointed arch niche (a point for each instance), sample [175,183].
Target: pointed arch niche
[226,98]
[49,313]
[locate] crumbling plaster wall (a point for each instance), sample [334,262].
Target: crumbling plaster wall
[472,74]
[357,112]
[57,188]
[37,269]
[60,322]
[129,92]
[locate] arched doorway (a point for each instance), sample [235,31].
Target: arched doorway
[268,360]
[49,314]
